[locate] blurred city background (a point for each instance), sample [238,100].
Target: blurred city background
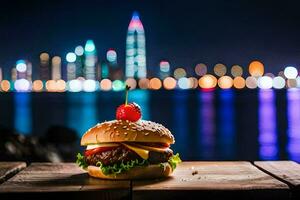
[222,76]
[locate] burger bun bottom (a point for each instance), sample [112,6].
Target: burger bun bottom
[138,172]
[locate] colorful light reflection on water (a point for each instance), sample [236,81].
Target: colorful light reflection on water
[207,127]
[81,111]
[226,129]
[293,112]
[268,145]
[203,122]
[23,117]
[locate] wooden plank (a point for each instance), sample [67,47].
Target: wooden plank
[286,171]
[8,169]
[213,180]
[41,180]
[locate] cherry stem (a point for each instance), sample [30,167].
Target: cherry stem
[126,97]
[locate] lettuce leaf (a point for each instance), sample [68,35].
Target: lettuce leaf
[122,167]
[81,161]
[174,160]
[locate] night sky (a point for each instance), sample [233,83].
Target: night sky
[183,32]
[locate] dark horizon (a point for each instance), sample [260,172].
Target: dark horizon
[183,32]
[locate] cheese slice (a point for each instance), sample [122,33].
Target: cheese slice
[157,149]
[93,146]
[143,153]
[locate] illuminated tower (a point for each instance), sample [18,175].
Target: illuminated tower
[90,60]
[136,49]
[44,66]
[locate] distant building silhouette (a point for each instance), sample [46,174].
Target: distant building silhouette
[136,49]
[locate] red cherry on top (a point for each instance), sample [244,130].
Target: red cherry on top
[131,112]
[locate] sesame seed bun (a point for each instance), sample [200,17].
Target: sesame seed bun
[139,172]
[126,131]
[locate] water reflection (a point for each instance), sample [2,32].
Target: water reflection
[207,124]
[180,124]
[226,127]
[141,97]
[293,112]
[22,114]
[268,145]
[82,110]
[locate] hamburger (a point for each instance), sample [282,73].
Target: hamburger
[128,147]
[122,149]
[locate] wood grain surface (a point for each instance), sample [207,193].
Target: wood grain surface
[286,171]
[47,179]
[213,180]
[8,169]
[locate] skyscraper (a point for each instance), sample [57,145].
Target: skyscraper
[136,49]
[90,60]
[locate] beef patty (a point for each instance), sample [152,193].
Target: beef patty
[122,154]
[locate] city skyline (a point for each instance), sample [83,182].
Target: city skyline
[184,33]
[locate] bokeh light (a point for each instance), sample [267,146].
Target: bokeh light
[118,85]
[169,83]
[265,82]
[251,82]
[22,85]
[61,85]
[184,83]
[56,60]
[105,84]
[164,66]
[239,82]
[225,82]
[220,69]
[79,50]
[89,85]
[290,72]
[131,82]
[208,81]
[144,83]
[44,56]
[298,81]
[155,84]
[291,83]
[201,69]
[37,86]
[179,72]
[89,46]
[236,70]
[111,55]
[51,86]
[5,85]
[75,85]
[193,82]
[71,57]
[256,68]
[21,66]
[278,82]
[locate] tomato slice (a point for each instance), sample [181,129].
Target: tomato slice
[97,150]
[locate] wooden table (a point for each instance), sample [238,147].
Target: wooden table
[8,169]
[41,180]
[191,180]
